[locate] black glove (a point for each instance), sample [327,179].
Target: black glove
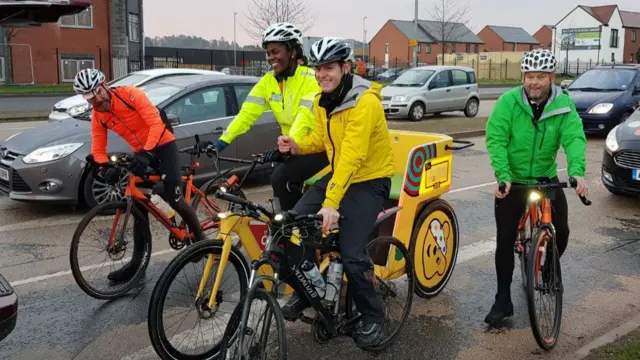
[140,162]
[110,175]
[272,155]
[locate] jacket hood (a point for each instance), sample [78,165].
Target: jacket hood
[360,87]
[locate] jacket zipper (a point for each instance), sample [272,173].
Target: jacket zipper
[544,132]
[333,153]
[533,154]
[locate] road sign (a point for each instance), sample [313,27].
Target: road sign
[413,43]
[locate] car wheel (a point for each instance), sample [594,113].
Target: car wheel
[472,107]
[416,113]
[96,191]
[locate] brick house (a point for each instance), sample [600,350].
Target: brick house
[506,38]
[390,45]
[544,35]
[631,25]
[107,35]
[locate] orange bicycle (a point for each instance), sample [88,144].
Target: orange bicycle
[138,196]
[539,260]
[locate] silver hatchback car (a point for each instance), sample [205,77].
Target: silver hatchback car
[432,90]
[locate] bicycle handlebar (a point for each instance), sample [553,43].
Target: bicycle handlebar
[573,183]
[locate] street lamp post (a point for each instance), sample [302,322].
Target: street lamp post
[234,39]
[364,35]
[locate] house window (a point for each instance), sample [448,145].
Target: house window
[134,28]
[82,20]
[476,49]
[453,48]
[418,48]
[428,48]
[386,49]
[530,47]
[613,41]
[513,47]
[1,68]
[70,65]
[467,48]
[134,65]
[633,35]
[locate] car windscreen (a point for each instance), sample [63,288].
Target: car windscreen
[604,80]
[128,80]
[159,92]
[414,77]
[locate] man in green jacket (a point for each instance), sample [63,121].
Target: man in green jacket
[523,135]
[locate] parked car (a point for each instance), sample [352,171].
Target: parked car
[76,105]
[605,95]
[389,75]
[47,163]
[432,90]
[621,157]
[8,308]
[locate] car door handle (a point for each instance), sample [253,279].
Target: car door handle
[448,90]
[219,130]
[468,87]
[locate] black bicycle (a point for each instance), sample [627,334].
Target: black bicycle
[335,314]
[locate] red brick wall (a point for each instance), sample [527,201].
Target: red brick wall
[492,42]
[44,41]
[398,46]
[544,36]
[631,48]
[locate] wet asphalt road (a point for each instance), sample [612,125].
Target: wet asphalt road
[601,274]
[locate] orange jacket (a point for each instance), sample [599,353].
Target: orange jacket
[141,128]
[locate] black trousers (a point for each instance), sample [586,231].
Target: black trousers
[289,176]
[169,166]
[360,206]
[508,212]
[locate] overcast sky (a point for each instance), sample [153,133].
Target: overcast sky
[214,19]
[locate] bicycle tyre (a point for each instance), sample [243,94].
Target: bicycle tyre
[523,263]
[210,188]
[110,207]
[534,259]
[241,314]
[385,241]
[157,335]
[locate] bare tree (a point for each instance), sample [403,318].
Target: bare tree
[450,21]
[8,33]
[262,13]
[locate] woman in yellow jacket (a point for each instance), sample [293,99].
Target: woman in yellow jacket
[287,91]
[352,129]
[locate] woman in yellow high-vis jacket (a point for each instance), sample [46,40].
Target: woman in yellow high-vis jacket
[288,91]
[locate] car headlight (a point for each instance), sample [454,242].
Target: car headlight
[612,140]
[601,108]
[78,109]
[51,153]
[399,99]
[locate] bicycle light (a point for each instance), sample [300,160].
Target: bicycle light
[534,196]
[223,189]
[279,217]
[223,215]
[114,158]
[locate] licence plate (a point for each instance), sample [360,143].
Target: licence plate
[4,174]
[635,174]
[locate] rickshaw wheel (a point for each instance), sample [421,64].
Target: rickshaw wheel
[434,247]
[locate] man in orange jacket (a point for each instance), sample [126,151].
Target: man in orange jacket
[128,112]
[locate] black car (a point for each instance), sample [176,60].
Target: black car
[8,308]
[621,157]
[605,95]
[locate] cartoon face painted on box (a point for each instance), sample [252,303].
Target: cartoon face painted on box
[434,252]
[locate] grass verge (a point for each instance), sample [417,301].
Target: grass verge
[36,89]
[625,348]
[440,124]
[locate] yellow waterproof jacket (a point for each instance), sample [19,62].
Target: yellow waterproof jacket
[291,105]
[356,138]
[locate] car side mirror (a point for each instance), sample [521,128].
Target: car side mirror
[173,119]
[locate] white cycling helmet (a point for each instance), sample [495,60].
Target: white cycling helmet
[86,81]
[538,60]
[281,32]
[330,49]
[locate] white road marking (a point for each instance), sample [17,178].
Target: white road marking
[465,253]
[17,128]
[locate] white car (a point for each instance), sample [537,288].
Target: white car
[75,105]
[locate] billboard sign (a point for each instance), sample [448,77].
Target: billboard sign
[580,39]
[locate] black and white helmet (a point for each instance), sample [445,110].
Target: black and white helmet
[330,49]
[281,32]
[87,80]
[538,60]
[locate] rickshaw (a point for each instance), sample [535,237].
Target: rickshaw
[414,213]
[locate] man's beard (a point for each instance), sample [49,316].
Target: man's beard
[543,95]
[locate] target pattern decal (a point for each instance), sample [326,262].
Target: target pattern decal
[417,161]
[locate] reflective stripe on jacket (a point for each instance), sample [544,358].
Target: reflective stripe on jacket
[356,138]
[141,128]
[292,106]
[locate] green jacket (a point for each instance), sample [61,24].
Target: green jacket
[520,153]
[292,106]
